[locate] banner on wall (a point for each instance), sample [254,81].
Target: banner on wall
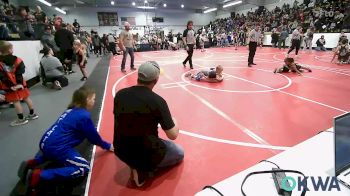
[130,20]
[107,18]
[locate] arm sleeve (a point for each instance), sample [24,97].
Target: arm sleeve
[91,134]
[19,73]
[165,117]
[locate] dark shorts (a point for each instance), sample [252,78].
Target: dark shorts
[286,68]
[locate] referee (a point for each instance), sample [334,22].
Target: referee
[189,40]
[253,39]
[296,41]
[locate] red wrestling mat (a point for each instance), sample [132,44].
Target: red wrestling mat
[226,127]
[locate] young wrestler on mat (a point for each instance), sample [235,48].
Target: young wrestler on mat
[290,65]
[213,75]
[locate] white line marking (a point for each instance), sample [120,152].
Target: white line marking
[118,81]
[172,83]
[297,96]
[87,187]
[234,142]
[225,116]
[175,86]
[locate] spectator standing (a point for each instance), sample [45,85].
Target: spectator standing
[127,45]
[308,38]
[64,40]
[76,26]
[112,44]
[12,69]
[282,39]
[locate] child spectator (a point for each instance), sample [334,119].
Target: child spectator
[80,51]
[12,69]
[57,145]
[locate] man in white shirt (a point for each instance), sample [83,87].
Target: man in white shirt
[253,39]
[296,39]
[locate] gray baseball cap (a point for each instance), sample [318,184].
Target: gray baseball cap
[148,71]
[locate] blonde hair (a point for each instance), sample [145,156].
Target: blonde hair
[79,99]
[5,47]
[219,68]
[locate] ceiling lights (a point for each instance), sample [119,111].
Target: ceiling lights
[232,4]
[45,2]
[146,7]
[164,5]
[133,3]
[112,2]
[182,6]
[60,10]
[210,10]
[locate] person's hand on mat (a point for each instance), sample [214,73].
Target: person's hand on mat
[111,148]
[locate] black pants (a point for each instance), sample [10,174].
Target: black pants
[66,54]
[190,54]
[282,42]
[252,50]
[112,48]
[295,45]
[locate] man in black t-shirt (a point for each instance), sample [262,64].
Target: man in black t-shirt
[137,113]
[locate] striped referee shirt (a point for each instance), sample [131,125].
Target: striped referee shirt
[189,35]
[296,34]
[254,36]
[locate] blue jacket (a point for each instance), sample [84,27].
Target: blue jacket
[72,127]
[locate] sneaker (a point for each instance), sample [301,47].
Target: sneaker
[58,85]
[133,69]
[19,122]
[32,117]
[250,65]
[83,78]
[253,64]
[138,177]
[123,70]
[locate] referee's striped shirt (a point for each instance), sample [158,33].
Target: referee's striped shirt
[254,36]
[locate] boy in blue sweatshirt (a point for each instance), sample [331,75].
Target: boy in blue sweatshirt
[58,142]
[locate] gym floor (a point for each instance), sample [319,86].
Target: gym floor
[227,127]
